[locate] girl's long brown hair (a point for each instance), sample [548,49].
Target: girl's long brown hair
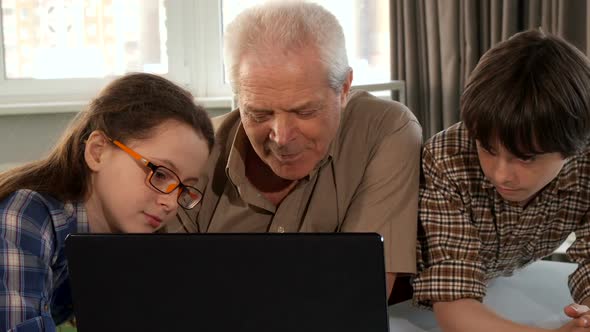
[128,108]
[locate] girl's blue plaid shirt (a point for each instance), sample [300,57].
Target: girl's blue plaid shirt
[34,279]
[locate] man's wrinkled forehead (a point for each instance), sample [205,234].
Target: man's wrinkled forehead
[301,68]
[287,58]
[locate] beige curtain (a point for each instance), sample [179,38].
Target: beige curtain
[435,44]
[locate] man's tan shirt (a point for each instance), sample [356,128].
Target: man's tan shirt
[368,182]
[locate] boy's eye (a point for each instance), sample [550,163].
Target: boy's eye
[489,151]
[527,159]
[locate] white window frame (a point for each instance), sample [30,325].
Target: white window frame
[204,52]
[195,53]
[195,62]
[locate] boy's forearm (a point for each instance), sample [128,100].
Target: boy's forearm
[467,315]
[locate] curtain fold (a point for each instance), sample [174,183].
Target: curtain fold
[435,44]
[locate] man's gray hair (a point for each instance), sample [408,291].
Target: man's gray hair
[286,26]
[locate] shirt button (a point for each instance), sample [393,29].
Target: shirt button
[281,229]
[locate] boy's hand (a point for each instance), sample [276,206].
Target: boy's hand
[575,310]
[580,315]
[576,325]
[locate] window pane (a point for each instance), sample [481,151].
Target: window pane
[51,39]
[366,29]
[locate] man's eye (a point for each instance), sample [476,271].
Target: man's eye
[259,117]
[305,114]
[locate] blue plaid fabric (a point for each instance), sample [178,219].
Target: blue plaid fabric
[34,280]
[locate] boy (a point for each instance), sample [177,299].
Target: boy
[508,184]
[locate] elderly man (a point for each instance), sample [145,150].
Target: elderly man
[303,153]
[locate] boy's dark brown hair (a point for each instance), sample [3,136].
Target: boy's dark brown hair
[128,108]
[531,94]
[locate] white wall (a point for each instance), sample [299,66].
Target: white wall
[30,136]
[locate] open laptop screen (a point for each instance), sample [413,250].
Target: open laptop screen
[228,282]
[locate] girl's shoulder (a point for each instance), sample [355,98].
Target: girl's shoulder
[28,208]
[37,223]
[26,201]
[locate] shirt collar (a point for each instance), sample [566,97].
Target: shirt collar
[327,158]
[568,178]
[335,145]
[81,218]
[235,169]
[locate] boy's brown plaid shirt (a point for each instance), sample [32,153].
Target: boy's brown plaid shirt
[469,234]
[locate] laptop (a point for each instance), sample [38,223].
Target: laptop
[302,282]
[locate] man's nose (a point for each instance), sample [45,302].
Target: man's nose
[282,130]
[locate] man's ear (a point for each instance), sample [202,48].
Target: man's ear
[95,150]
[346,89]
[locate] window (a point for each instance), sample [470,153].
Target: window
[64,51]
[62,39]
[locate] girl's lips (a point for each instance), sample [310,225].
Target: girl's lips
[154,221]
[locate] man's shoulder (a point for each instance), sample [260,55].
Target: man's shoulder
[224,127]
[365,108]
[368,122]
[225,120]
[373,127]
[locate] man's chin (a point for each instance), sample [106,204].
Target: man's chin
[290,172]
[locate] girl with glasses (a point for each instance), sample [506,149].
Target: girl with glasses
[124,165]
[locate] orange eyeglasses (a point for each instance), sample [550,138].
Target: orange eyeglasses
[165,180]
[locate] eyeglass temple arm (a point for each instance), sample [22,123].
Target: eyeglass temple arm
[132,153]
